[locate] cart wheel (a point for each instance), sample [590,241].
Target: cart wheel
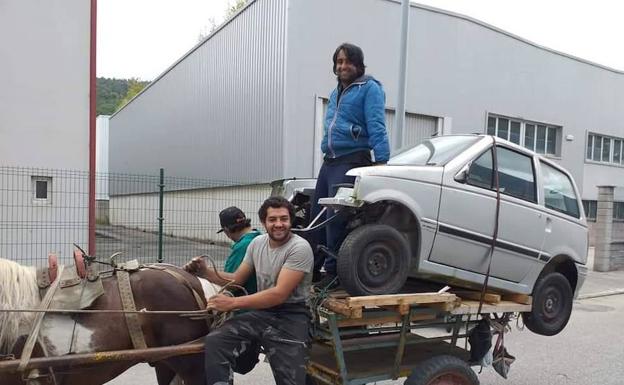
[442,370]
[373,259]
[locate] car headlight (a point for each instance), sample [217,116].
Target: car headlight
[356,187]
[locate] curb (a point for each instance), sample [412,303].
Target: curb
[601,294]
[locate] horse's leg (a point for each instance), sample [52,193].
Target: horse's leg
[189,368]
[95,374]
[164,374]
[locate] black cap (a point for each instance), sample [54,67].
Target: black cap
[232,216]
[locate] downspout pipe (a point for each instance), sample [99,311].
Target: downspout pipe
[399,115]
[92,139]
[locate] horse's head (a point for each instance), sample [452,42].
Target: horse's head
[18,290]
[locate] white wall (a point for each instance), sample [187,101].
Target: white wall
[44,97]
[44,126]
[101,157]
[191,213]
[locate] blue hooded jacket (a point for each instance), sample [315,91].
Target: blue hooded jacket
[356,121]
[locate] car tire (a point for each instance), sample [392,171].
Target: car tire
[373,260]
[552,305]
[438,370]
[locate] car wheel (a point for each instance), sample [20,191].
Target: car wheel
[373,259]
[552,305]
[442,370]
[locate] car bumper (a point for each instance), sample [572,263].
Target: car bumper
[582,274]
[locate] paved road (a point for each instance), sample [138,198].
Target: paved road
[588,351]
[136,244]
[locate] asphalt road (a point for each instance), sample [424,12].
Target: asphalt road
[588,351]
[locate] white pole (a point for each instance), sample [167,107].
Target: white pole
[402,86]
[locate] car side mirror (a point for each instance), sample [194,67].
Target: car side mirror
[462,175]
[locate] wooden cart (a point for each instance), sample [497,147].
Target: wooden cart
[359,340]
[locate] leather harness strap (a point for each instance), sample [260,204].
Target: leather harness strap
[201,301]
[34,332]
[127,300]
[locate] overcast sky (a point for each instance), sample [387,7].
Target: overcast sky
[142,38]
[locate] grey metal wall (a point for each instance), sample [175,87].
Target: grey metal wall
[218,112]
[458,68]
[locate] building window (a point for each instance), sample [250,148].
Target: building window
[42,189]
[590,207]
[538,137]
[604,149]
[618,211]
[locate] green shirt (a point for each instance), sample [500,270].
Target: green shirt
[239,249]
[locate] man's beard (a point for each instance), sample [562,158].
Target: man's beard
[282,239]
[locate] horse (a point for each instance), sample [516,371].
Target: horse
[153,289]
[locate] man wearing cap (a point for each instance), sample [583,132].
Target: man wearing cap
[278,316]
[236,226]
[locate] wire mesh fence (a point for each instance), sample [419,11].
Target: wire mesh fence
[145,217]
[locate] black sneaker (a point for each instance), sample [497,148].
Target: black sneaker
[329,282]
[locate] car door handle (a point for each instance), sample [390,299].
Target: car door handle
[548,228]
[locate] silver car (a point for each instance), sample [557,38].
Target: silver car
[439,211]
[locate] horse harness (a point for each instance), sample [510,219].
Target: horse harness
[52,279]
[123,272]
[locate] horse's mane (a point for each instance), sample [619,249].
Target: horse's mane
[18,289]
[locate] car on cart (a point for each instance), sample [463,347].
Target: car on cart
[454,209]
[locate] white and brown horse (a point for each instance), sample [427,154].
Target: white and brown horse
[153,290]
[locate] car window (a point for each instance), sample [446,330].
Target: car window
[558,191]
[515,173]
[434,151]
[480,173]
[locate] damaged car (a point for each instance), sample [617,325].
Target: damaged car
[457,209]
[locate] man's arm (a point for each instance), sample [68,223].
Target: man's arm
[374,113]
[286,283]
[199,267]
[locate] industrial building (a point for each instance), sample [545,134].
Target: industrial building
[246,104]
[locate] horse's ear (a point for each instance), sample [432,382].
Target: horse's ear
[52,266]
[81,267]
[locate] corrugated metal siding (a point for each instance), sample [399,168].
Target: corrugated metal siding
[417,127]
[217,113]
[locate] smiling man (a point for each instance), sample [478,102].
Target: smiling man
[355,124]
[279,316]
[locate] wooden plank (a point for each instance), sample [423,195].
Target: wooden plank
[471,307]
[519,298]
[475,295]
[340,307]
[402,309]
[398,299]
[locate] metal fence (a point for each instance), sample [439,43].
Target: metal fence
[145,217]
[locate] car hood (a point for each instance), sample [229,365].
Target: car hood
[432,174]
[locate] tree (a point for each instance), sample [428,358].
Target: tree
[230,11]
[134,87]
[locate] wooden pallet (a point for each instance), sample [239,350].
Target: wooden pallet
[457,302]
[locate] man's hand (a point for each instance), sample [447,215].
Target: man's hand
[222,302]
[198,267]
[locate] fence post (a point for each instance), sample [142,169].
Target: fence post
[161,187]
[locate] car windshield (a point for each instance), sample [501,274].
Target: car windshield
[433,151]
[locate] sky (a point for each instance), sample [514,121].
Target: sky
[142,38]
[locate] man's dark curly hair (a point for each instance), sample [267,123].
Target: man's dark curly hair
[276,202]
[355,56]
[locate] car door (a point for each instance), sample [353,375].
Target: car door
[521,222]
[566,231]
[467,217]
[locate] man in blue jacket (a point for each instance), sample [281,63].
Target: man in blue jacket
[354,125]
